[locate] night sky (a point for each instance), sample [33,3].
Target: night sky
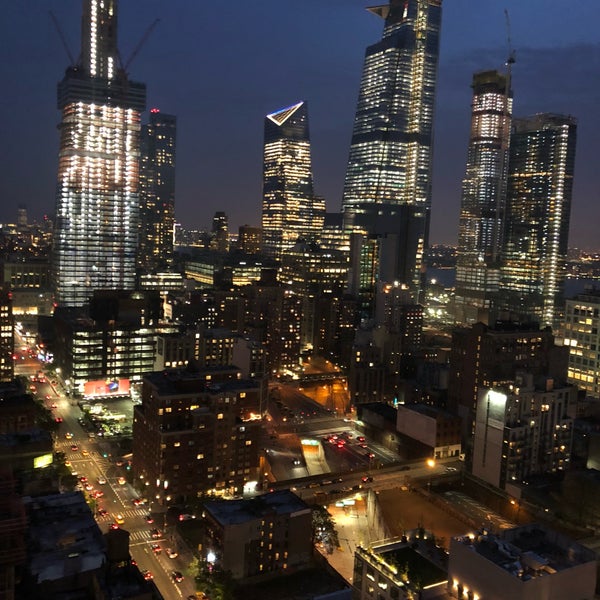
[222,65]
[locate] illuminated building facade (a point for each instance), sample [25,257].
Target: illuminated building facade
[481,224]
[581,335]
[157,192]
[220,232]
[290,208]
[523,429]
[250,239]
[196,430]
[96,229]
[539,189]
[7,345]
[390,153]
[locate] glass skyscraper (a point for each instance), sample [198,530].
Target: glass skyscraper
[390,153]
[481,225]
[157,192]
[96,229]
[538,209]
[290,211]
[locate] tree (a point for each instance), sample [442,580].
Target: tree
[324,527]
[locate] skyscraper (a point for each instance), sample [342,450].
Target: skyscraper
[483,198]
[390,153]
[157,191]
[538,209]
[96,227]
[290,208]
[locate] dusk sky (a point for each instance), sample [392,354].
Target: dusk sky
[220,66]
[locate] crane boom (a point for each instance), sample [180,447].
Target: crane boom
[62,37]
[140,44]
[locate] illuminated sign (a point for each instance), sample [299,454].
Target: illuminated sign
[39,462]
[106,387]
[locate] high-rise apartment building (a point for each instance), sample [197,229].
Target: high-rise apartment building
[523,428]
[481,224]
[96,229]
[538,209]
[390,153]
[290,208]
[157,191]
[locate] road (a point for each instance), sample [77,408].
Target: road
[86,457]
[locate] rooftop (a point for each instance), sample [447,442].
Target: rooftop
[64,538]
[233,512]
[528,551]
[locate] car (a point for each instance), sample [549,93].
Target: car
[68,435]
[140,501]
[121,480]
[147,575]
[102,512]
[85,453]
[54,405]
[114,526]
[172,553]
[97,494]
[59,420]
[155,533]
[83,479]
[177,576]
[371,455]
[367,479]
[451,469]
[156,548]
[74,447]
[149,519]
[119,463]
[47,396]
[89,487]
[102,480]
[360,438]
[119,519]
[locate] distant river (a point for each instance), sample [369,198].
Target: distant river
[572,286]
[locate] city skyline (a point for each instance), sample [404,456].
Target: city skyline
[222,76]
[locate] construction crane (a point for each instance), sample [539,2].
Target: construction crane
[511,53]
[62,38]
[139,45]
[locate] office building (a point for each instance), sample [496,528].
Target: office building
[581,336]
[157,192]
[96,227]
[521,563]
[390,155]
[7,343]
[250,239]
[522,429]
[220,232]
[263,536]
[538,210]
[290,208]
[481,224]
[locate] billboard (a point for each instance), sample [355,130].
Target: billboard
[102,388]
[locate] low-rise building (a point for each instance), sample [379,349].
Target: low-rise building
[398,569]
[264,536]
[522,563]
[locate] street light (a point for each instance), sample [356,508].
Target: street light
[431,464]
